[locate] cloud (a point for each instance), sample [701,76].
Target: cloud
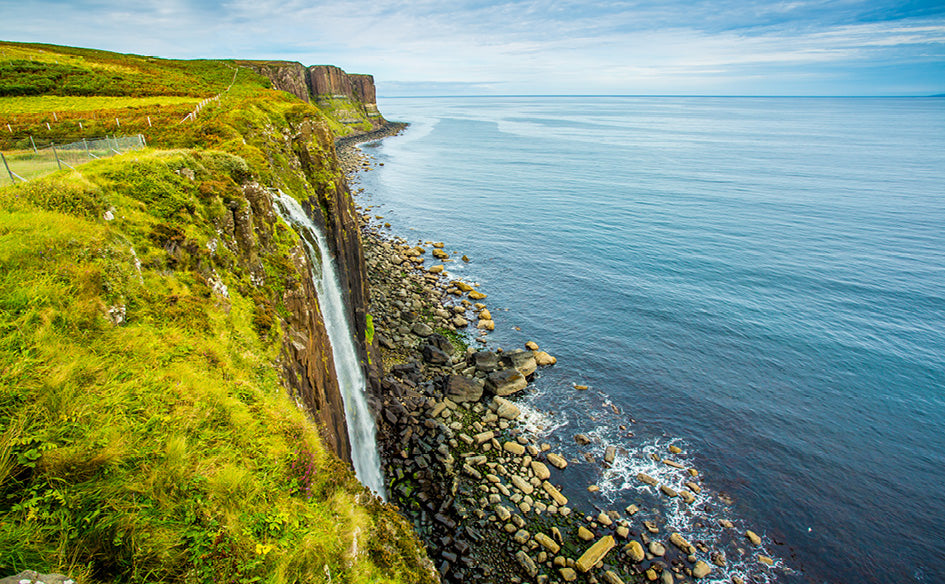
[518,46]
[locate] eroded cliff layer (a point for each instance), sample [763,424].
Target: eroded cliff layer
[324,84]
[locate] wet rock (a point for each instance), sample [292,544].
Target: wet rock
[604,520]
[765,560]
[680,542]
[463,389]
[657,549]
[459,322]
[522,485]
[567,574]
[521,536]
[668,491]
[609,453]
[484,436]
[485,361]
[547,543]
[634,551]
[506,382]
[718,558]
[701,569]
[645,478]
[582,439]
[611,577]
[595,553]
[531,346]
[486,325]
[502,513]
[514,448]
[541,471]
[523,361]
[543,359]
[506,409]
[554,493]
[556,460]
[527,563]
[753,537]
[476,295]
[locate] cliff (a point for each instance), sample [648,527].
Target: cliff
[158,316]
[351,98]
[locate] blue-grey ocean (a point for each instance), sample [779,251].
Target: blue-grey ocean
[758,281]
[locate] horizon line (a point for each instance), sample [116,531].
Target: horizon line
[923,96]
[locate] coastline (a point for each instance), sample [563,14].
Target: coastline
[487,497]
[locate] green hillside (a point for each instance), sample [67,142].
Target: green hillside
[145,433]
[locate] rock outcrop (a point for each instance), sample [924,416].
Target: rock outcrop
[323,83]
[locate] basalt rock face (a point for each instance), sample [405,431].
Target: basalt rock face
[332,208]
[321,82]
[287,76]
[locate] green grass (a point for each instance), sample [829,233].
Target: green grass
[163,447]
[145,432]
[53,103]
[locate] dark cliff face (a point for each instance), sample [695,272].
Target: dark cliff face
[320,82]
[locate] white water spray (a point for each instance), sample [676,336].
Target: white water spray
[361,430]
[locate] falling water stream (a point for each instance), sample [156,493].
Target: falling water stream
[361,430]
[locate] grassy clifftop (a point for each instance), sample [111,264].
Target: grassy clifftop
[146,433]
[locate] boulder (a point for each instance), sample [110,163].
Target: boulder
[753,537]
[700,569]
[441,343]
[657,549]
[645,478]
[422,329]
[634,551]
[463,389]
[556,460]
[680,542]
[506,382]
[541,471]
[460,322]
[524,361]
[522,485]
[486,325]
[527,563]
[567,574]
[531,346]
[434,355]
[514,448]
[438,269]
[543,359]
[585,533]
[595,553]
[476,295]
[485,361]
[611,577]
[582,439]
[506,409]
[554,493]
[609,453]
[547,543]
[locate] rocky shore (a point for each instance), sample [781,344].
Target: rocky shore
[486,496]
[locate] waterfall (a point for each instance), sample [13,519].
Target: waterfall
[361,430]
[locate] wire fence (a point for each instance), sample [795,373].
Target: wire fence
[23,165]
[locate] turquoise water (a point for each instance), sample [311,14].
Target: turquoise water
[760,281]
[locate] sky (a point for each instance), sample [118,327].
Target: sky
[530,47]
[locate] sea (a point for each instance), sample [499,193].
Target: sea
[759,282]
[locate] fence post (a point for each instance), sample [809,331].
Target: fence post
[117,122]
[87,151]
[35,151]
[149,121]
[9,128]
[56,154]
[10,172]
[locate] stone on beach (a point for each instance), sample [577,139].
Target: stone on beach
[506,409]
[753,537]
[595,553]
[701,569]
[635,551]
[543,359]
[506,382]
[476,295]
[556,460]
[463,389]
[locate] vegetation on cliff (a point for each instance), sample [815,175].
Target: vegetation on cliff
[147,431]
